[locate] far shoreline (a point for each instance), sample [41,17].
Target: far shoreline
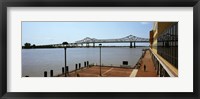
[84,47]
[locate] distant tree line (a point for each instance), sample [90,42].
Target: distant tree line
[28,46]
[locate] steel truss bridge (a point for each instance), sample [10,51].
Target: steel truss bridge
[87,41]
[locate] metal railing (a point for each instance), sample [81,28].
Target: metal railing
[162,69]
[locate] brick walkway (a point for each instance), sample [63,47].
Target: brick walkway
[109,71]
[150,70]
[106,71]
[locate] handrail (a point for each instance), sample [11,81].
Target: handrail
[163,65]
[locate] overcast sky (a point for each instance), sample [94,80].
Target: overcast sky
[40,33]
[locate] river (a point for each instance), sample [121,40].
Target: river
[36,61]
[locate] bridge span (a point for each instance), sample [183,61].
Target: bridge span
[87,41]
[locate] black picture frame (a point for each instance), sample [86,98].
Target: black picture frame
[99,3]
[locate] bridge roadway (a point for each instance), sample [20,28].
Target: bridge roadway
[87,41]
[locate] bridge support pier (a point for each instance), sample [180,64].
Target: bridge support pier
[134,45]
[131,45]
[87,45]
[93,44]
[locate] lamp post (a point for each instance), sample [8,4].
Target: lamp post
[65,47]
[100,58]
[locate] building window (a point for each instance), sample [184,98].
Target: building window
[167,45]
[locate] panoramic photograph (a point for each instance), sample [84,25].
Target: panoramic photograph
[99,49]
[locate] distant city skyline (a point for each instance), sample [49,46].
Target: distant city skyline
[41,33]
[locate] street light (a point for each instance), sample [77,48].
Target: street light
[65,47]
[100,58]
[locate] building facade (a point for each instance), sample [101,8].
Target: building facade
[164,48]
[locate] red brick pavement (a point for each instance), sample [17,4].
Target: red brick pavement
[150,69]
[108,71]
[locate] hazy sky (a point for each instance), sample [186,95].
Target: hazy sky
[40,33]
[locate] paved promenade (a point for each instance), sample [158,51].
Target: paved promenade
[106,71]
[150,69]
[111,71]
